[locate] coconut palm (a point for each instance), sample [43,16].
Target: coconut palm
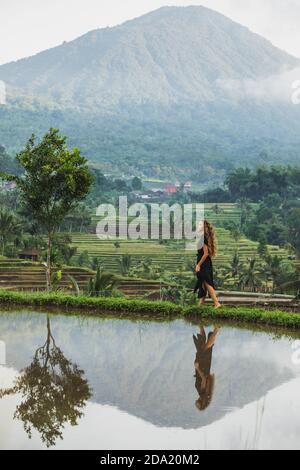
[235,265]
[125,264]
[251,276]
[273,270]
[246,210]
[103,284]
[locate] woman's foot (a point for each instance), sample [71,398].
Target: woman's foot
[218,305]
[202,302]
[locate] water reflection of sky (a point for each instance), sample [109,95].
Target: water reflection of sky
[142,377]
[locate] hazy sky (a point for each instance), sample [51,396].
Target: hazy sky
[29,26]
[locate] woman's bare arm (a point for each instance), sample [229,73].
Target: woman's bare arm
[204,257]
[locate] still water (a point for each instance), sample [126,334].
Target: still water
[90,383]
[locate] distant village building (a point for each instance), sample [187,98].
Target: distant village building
[151,195]
[171,189]
[29,254]
[175,188]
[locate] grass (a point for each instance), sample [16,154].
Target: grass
[100,306]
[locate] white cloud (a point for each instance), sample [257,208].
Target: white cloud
[278,88]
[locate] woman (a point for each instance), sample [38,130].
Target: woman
[205,381]
[207,249]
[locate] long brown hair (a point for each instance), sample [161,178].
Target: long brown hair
[207,394]
[209,234]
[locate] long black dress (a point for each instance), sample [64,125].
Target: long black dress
[206,273]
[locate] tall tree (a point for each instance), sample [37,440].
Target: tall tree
[55,180]
[251,276]
[273,270]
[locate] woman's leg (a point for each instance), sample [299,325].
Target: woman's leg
[213,295]
[202,292]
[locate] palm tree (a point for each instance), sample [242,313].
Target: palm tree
[235,265]
[251,276]
[246,210]
[125,264]
[273,270]
[103,284]
[96,263]
[9,228]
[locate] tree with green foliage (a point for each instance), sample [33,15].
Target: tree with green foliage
[246,210]
[7,164]
[251,276]
[55,180]
[236,265]
[262,249]
[62,250]
[103,284]
[273,270]
[84,259]
[136,184]
[293,223]
[9,228]
[125,264]
[235,230]
[96,263]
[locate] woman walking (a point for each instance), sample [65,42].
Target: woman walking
[207,249]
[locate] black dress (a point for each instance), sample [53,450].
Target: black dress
[205,274]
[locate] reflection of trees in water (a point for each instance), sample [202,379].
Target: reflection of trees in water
[53,390]
[205,381]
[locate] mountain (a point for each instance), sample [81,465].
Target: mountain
[178,85]
[169,56]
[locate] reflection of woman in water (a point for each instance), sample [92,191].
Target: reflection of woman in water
[205,381]
[207,249]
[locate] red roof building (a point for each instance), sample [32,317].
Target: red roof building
[171,189]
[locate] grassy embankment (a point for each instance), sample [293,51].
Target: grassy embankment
[123,307]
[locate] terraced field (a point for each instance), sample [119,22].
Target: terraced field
[173,256]
[170,257]
[20,276]
[25,276]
